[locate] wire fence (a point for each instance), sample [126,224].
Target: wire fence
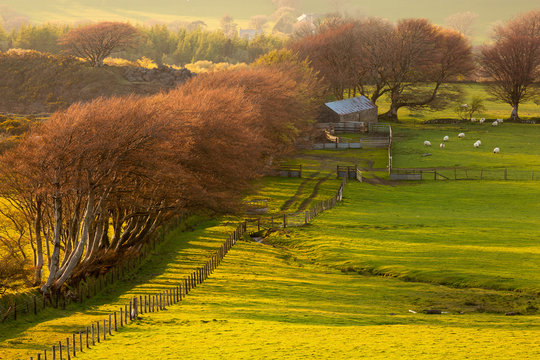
[85,338]
[16,306]
[296,218]
[493,174]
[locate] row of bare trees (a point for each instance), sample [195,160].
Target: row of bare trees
[90,184]
[415,62]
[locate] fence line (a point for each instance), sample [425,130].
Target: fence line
[298,218]
[86,288]
[97,331]
[507,174]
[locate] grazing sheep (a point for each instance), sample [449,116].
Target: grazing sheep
[482,120]
[496,150]
[427,143]
[445,138]
[500,121]
[476,145]
[461,135]
[442,145]
[495,123]
[479,142]
[473,119]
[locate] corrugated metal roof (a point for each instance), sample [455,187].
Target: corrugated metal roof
[351,106]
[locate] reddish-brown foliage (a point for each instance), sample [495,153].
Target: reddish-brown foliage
[97,41]
[512,62]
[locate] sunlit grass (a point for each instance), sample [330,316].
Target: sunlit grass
[519,146]
[464,234]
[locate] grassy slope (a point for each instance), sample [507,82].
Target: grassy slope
[475,234]
[519,144]
[269,302]
[494,109]
[262,305]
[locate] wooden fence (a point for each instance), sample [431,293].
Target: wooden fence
[507,174]
[91,335]
[98,331]
[290,171]
[13,308]
[297,218]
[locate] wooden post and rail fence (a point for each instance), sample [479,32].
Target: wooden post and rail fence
[85,338]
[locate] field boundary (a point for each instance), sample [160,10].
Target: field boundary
[98,331]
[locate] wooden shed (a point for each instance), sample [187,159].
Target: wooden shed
[355,109]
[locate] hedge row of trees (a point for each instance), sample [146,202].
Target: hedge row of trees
[92,182]
[414,62]
[157,42]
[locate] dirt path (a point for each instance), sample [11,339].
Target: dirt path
[286,206]
[306,202]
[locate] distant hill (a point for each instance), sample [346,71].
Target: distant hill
[33,82]
[489,12]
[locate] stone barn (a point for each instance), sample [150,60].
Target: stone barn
[357,109]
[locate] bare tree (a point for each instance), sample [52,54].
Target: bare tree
[462,22]
[512,62]
[97,41]
[258,21]
[228,26]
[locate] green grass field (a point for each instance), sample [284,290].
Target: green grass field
[343,286]
[494,109]
[519,144]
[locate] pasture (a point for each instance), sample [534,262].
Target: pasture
[519,144]
[352,284]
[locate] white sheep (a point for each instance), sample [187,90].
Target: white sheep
[445,138]
[476,144]
[479,142]
[482,120]
[495,123]
[461,135]
[442,145]
[500,121]
[496,150]
[427,143]
[473,119]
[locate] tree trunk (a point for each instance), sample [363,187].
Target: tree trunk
[55,257]
[39,245]
[515,116]
[77,253]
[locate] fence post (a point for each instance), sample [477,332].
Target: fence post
[93,336]
[284,220]
[505,174]
[54,352]
[110,315]
[306,216]
[74,347]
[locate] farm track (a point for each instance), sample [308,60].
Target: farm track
[314,194]
[287,205]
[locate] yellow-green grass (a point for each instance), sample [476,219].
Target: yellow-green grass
[260,304]
[266,302]
[494,109]
[176,258]
[519,146]
[462,234]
